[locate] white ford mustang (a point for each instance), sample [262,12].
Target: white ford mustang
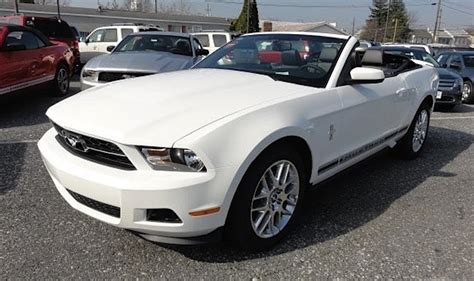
[229,147]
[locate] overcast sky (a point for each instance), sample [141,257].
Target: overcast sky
[456,13]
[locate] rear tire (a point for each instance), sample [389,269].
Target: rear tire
[467,94]
[61,81]
[411,145]
[264,211]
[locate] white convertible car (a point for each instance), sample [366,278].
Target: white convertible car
[228,149]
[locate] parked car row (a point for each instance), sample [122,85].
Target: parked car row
[455,69]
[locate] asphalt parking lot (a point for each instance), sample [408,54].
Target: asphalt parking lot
[385,218]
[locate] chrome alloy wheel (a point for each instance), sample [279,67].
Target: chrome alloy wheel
[421,128]
[275,198]
[466,91]
[63,80]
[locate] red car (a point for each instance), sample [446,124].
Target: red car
[28,58]
[57,31]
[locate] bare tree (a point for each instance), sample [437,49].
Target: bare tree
[178,7]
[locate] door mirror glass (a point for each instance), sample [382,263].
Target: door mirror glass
[110,48]
[202,52]
[455,65]
[366,75]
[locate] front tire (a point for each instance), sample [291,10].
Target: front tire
[411,145]
[268,201]
[467,94]
[61,81]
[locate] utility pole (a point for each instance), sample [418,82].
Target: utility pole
[386,21]
[437,23]
[156,6]
[248,15]
[208,10]
[16,7]
[353,25]
[395,31]
[59,12]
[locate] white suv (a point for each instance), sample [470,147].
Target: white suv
[103,37]
[213,40]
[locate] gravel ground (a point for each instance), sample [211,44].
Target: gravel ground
[385,218]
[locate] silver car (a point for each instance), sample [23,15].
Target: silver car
[141,54]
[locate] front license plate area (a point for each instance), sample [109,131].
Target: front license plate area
[439,95]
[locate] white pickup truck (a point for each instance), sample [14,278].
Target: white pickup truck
[230,147]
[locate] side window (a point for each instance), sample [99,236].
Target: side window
[126,31]
[24,38]
[442,59]
[41,44]
[110,35]
[454,60]
[203,38]
[219,40]
[97,36]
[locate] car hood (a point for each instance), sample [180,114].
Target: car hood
[447,74]
[146,61]
[160,109]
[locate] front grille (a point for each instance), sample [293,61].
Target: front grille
[114,76]
[93,149]
[96,205]
[446,83]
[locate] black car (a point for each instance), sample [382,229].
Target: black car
[450,83]
[463,63]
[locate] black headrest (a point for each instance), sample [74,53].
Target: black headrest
[328,55]
[291,57]
[373,57]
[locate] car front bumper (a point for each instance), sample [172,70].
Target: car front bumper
[450,96]
[134,192]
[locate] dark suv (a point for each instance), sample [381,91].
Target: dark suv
[463,63]
[57,31]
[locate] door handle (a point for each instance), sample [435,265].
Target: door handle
[400,91]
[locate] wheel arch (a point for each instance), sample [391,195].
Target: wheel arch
[296,140]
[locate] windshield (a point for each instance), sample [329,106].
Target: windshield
[302,59]
[156,42]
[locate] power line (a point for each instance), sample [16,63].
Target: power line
[306,6]
[456,9]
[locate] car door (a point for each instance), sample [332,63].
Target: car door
[371,112]
[97,43]
[20,68]
[88,48]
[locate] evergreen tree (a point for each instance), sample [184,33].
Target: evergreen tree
[240,24]
[398,15]
[374,29]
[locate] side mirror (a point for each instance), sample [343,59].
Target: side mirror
[455,65]
[12,47]
[365,75]
[86,41]
[202,52]
[110,48]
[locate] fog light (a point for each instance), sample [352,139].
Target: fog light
[162,215]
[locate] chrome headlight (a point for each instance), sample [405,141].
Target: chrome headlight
[90,75]
[457,83]
[173,159]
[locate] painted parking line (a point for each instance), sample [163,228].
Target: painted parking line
[452,118]
[17,141]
